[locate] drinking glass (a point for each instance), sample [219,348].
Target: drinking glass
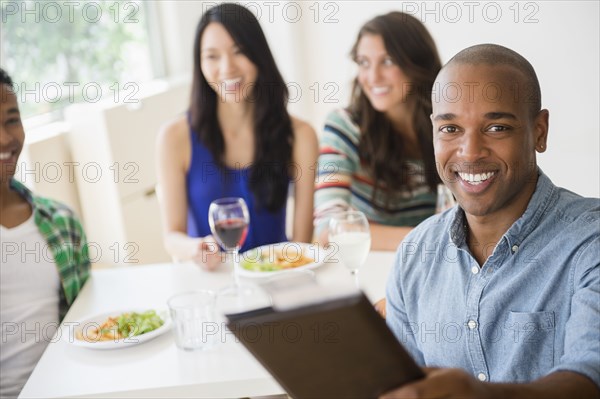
[194,319]
[229,219]
[350,232]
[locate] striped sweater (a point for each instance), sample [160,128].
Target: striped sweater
[343,182]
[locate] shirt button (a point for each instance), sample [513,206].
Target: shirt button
[515,248]
[481,377]
[475,269]
[472,324]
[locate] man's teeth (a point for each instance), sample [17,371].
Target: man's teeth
[379,90]
[477,178]
[5,155]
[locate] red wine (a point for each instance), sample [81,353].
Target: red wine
[231,232]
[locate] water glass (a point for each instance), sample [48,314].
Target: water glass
[350,232]
[194,320]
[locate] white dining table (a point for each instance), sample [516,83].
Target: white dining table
[157,368]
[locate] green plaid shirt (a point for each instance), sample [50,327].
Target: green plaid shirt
[66,240]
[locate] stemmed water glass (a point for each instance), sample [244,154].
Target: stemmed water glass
[229,219]
[350,232]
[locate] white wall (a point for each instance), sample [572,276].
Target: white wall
[560,39]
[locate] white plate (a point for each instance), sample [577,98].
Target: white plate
[290,250]
[70,330]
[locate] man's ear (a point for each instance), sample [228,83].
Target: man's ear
[540,125]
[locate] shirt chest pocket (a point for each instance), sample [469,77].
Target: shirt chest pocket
[528,344]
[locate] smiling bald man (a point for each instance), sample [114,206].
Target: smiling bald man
[499,296]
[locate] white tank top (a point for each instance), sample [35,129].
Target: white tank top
[29,301]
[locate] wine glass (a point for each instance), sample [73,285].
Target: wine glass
[229,219]
[350,232]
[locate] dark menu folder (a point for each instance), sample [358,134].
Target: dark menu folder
[340,348]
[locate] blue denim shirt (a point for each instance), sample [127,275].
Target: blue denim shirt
[532,309]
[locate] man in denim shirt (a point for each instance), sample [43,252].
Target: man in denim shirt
[499,296]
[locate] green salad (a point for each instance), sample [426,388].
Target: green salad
[132,324]
[260,264]
[272,261]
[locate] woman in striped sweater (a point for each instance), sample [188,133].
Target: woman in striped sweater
[376,156]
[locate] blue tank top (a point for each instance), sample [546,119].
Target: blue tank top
[206,182]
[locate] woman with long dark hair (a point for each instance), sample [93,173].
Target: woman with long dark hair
[376,156]
[237,140]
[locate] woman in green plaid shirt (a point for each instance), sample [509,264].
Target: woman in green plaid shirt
[44,258]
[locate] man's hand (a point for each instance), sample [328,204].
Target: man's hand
[208,255]
[380,307]
[442,383]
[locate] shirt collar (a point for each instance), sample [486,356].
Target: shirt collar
[36,206]
[541,198]
[458,230]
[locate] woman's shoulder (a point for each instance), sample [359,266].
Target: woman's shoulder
[306,143]
[302,129]
[174,145]
[175,132]
[342,121]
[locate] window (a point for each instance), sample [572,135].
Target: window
[63,52]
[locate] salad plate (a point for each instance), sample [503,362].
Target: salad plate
[103,331]
[283,257]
